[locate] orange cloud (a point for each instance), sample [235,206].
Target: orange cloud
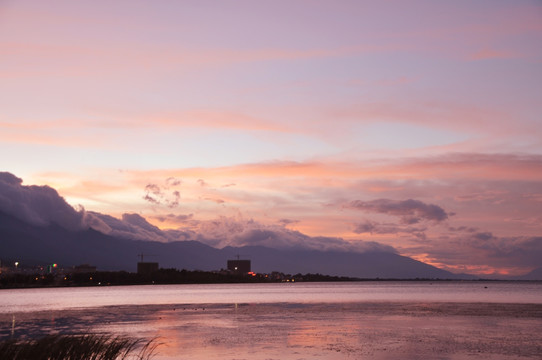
[434,114]
[486,54]
[213,119]
[473,166]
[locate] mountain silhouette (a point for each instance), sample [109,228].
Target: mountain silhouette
[55,244]
[535,274]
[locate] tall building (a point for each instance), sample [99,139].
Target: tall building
[239,266]
[145,267]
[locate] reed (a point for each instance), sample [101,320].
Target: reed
[78,347]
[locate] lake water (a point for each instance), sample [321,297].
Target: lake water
[359,320]
[43,299]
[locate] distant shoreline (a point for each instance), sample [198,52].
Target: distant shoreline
[176,277]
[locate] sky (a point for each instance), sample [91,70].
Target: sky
[411,125]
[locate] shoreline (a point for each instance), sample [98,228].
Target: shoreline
[350,280]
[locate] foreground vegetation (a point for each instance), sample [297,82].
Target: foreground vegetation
[77,347]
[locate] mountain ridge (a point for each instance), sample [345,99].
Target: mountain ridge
[55,244]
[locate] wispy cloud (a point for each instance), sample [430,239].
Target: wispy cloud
[486,54]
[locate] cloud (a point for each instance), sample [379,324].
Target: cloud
[522,251]
[10,179]
[150,199]
[37,205]
[171,181]
[176,198]
[214,199]
[139,221]
[484,236]
[285,222]
[409,211]
[289,239]
[180,218]
[462,229]
[516,253]
[157,195]
[487,54]
[152,193]
[131,226]
[373,227]
[472,166]
[231,231]
[136,227]
[455,165]
[226,231]
[154,189]
[366,226]
[42,206]
[481,252]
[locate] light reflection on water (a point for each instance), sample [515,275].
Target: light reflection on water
[20,300]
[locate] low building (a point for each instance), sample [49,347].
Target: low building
[146,268]
[239,266]
[84,268]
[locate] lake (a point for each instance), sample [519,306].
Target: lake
[43,299]
[369,320]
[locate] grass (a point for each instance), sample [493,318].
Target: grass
[78,347]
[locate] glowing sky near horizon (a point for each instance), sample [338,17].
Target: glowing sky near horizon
[323,117]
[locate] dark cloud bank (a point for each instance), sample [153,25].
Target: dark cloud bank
[37,205]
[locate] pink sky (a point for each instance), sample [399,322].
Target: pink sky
[350,119]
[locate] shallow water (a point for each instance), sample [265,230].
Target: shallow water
[378,320]
[67,298]
[288,331]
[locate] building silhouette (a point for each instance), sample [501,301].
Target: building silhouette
[146,268]
[239,266]
[84,268]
